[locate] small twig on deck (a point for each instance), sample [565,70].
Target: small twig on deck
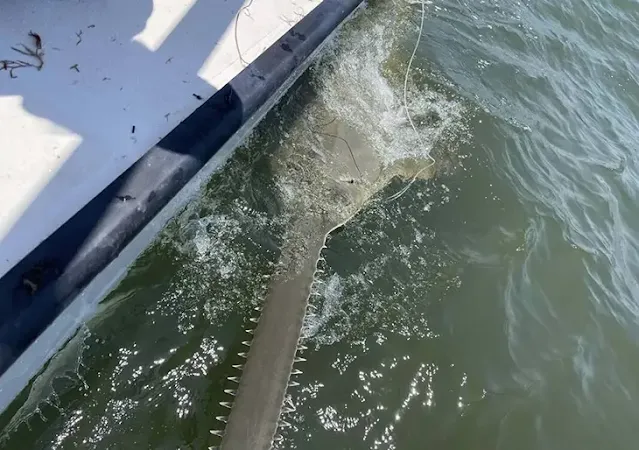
[37,39]
[10,64]
[79,35]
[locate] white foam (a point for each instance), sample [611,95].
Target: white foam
[314,188]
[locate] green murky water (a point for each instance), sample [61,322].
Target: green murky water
[493,306]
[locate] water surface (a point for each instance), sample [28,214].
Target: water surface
[491,306]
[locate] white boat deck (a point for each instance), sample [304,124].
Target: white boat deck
[118,75]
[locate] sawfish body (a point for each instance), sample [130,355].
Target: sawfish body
[348,144]
[322,187]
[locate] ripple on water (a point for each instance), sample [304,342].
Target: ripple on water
[496,308]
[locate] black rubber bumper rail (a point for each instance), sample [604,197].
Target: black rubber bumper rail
[37,289]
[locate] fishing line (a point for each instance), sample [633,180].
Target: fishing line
[336,137]
[237,20]
[410,119]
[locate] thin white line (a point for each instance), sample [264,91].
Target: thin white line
[237,19]
[410,119]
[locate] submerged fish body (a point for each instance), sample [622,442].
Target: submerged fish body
[340,175]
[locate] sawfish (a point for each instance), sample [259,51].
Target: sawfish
[356,138]
[339,176]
